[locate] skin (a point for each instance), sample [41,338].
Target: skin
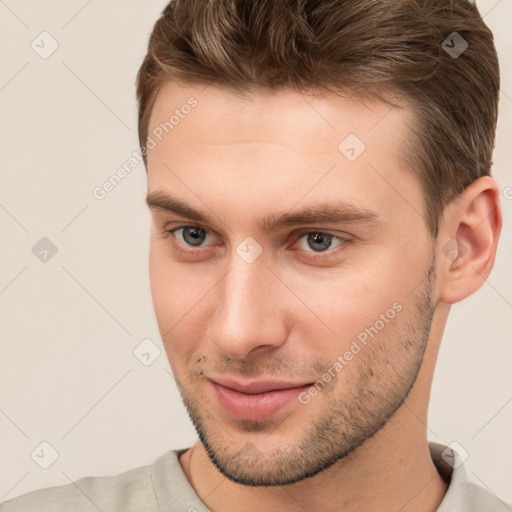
[361,442]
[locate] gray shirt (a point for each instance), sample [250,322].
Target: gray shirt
[163,487]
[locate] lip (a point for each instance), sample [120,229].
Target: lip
[257,400]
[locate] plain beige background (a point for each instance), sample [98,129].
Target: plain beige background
[69,325]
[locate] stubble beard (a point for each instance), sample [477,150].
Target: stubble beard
[384,377]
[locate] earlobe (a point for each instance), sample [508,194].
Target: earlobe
[468,238]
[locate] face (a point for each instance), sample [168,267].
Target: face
[291,271]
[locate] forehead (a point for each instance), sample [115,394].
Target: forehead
[260,148]
[287,116]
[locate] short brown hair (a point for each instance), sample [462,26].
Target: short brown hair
[359,46]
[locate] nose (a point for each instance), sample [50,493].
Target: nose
[249,313]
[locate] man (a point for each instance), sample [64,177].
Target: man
[319,198]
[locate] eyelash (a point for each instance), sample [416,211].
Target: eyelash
[344,242]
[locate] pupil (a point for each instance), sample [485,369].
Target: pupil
[193,235]
[323,240]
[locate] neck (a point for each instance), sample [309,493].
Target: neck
[383,474]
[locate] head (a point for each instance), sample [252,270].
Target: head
[305,182]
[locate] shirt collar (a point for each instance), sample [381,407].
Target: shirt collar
[177,491]
[449,465]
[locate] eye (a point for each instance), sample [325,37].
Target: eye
[192,236]
[319,242]
[190,240]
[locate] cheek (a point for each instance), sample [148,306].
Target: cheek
[172,283]
[178,299]
[343,303]
[161,282]
[168,289]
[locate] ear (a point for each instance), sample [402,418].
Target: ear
[467,240]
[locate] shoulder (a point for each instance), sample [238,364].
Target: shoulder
[129,491]
[462,494]
[481,500]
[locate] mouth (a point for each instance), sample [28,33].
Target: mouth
[256,400]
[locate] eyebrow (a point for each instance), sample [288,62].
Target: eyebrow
[321,213]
